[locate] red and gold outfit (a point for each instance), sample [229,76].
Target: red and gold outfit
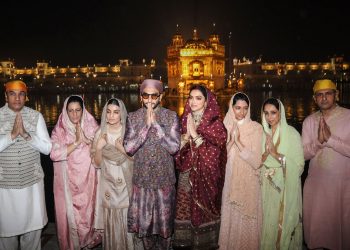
[201,163]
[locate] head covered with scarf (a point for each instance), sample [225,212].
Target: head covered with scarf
[153,84]
[287,178]
[17,85]
[244,184]
[324,84]
[210,114]
[212,152]
[282,124]
[109,151]
[87,122]
[230,120]
[123,115]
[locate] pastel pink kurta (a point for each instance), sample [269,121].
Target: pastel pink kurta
[241,219]
[241,208]
[327,187]
[74,184]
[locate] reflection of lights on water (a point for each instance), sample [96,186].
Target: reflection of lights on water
[134,98]
[181,106]
[99,98]
[298,104]
[300,111]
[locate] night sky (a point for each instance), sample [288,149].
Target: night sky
[86,32]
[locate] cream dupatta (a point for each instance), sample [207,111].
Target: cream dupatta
[109,151]
[245,164]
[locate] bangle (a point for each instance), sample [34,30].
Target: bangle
[194,139]
[282,159]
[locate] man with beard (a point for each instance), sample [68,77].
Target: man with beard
[326,141]
[152,137]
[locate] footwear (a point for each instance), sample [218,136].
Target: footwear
[95,242]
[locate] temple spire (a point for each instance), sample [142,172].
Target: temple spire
[195,34]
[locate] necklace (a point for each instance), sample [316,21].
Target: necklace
[197,117]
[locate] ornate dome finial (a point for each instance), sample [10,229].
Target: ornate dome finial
[214,28]
[195,34]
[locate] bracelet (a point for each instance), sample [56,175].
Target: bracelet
[282,159]
[198,141]
[194,139]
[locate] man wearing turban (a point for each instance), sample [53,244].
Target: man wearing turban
[326,141]
[23,136]
[152,136]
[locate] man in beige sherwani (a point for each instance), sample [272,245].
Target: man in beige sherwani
[326,141]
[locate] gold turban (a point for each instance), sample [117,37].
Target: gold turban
[16,85]
[324,84]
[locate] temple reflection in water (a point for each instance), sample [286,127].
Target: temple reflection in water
[297,105]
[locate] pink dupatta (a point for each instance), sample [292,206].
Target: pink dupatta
[74,182]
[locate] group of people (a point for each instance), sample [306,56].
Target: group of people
[149,180]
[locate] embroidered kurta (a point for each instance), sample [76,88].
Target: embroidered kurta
[114,186]
[281,189]
[152,204]
[241,211]
[327,186]
[23,210]
[74,182]
[201,180]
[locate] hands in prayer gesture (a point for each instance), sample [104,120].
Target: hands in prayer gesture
[270,148]
[150,116]
[80,135]
[191,127]
[18,128]
[324,131]
[269,145]
[235,138]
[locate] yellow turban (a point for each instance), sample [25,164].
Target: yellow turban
[16,85]
[324,84]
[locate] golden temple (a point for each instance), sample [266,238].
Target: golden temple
[195,61]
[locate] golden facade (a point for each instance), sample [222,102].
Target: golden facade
[195,62]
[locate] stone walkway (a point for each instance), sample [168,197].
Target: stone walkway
[49,239]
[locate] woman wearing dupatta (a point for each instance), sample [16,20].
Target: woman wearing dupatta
[116,174]
[283,164]
[74,176]
[201,163]
[241,211]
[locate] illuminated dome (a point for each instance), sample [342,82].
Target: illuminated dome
[195,42]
